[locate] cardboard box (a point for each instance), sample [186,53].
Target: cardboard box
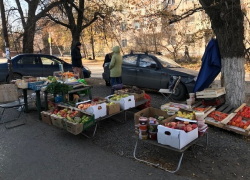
[113,108]
[58,121]
[127,102]
[151,112]
[46,117]
[76,128]
[99,110]
[174,137]
[138,96]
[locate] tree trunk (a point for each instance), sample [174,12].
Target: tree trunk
[28,38]
[234,82]
[227,23]
[75,37]
[93,46]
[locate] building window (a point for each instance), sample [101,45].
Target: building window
[123,26]
[124,42]
[137,25]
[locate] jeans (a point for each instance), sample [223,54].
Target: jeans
[115,80]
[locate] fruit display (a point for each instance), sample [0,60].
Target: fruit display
[217,115]
[52,78]
[86,105]
[187,115]
[244,112]
[110,103]
[99,100]
[79,120]
[239,122]
[66,113]
[181,125]
[118,97]
[200,109]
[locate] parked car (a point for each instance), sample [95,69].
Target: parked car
[154,72]
[37,65]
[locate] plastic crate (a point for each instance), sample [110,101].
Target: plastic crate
[36,86]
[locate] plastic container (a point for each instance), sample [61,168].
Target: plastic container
[202,130]
[192,96]
[153,127]
[170,113]
[143,132]
[144,137]
[152,135]
[143,120]
[143,127]
[201,123]
[189,102]
[152,120]
[199,116]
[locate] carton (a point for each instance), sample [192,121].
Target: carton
[125,103]
[113,108]
[152,112]
[46,117]
[59,122]
[174,137]
[76,128]
[99,110]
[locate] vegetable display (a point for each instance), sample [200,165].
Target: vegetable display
[217,115]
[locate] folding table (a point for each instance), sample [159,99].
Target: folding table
[155,143]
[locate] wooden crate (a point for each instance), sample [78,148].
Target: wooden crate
[211,93]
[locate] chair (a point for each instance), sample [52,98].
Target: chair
[9,98]
[172,87]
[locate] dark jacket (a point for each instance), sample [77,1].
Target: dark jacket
[107,58]
[76,57]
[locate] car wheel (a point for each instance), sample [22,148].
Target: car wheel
[180,93]
[15,76]
[107,83]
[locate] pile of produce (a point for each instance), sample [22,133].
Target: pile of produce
[99,100]
[86,105]
[237,121]
[187,115]
[217,115]
[110,103]
[244,112]
[118,97]
[52,78]
[79,120]
[135,90]
[181,125]
[69,74]
[200,109]
[66,113]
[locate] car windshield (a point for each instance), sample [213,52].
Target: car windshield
[166,62]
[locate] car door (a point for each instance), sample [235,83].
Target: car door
[129,65]
[148,72]
[50,65]
[29,65]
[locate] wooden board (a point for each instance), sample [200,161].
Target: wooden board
[237,130]
[213,122]
[211,93]
[239,108]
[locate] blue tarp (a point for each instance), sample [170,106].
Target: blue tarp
[210,67]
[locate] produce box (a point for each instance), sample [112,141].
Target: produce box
[138,96]
[152,112]
[211,92]
[36,86]
[126,101]
[113,108]
[61,114]
[174,106]
[46,117]
[99,110]
[58,121]
[87,120]
[175,138]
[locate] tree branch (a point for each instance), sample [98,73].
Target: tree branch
[21,12]
[57,21]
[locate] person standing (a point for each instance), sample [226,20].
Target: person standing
[76,58]
[115,67]
[107,58]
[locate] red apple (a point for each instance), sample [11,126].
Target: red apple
[194,126]
[189,129]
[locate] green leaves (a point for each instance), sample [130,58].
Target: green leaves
[57,87]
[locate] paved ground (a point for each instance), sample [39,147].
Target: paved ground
[39,151]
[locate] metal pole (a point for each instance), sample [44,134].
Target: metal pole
[50,48]
[6,39]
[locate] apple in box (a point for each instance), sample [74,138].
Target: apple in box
[185,126]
